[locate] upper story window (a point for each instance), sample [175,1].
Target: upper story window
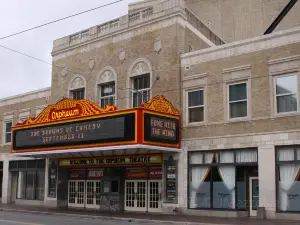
[77,94]
[196,106]
[140,75]
[7,131]
[238,100]
[286,94]
[140,89]
[107,94]
[106,86]
[77,88]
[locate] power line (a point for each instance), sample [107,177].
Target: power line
[58,20]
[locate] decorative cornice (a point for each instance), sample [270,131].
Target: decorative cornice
[276,39]
[125,33]
[67,109]
[235,69]
[160,104]
[283,60]
[193,77]
[29,96]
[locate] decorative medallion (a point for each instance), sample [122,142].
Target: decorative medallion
[160,104]
[122,55]
[68,109]
[91,64]
[157,45]
[64,71]
[106,76]
[110,46]
[77,83]
[140,68]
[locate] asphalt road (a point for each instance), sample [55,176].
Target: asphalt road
[17,218]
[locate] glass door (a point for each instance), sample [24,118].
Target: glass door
[136,195]
[76,193]
[154,196]
[254,196]
[93,190]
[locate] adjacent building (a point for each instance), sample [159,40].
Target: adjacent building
[169,109]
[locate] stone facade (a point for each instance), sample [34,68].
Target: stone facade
[136,43]
[258,62]
[234,20]
[177,46]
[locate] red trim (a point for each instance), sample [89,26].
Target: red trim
[140,126]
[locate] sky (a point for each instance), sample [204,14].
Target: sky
[20,74]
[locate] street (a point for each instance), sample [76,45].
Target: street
[17,218]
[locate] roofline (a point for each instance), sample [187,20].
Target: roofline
[26,93]
[258,43]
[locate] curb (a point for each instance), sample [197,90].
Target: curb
[109,218]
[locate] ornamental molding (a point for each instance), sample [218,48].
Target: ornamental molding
[67,109]
[160,104]
[77,82]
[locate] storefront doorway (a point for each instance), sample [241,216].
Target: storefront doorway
[93,191]
[76,193]
[254,196]
[143,195]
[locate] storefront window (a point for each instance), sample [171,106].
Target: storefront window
[288,170]
[218,179]
[224,187]
[31,185]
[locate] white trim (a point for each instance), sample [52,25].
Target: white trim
[4,131]
[187,107]
[74,89]
[8,115]
[130,78]
[201,75]
[248,91]
[276,114]
[283,60]
[235,69]
[253,213]
[109,148]
[98,83]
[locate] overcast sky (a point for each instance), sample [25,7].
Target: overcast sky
[20,74]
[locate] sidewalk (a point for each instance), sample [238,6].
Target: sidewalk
[143,217]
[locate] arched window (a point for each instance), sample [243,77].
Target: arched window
[77,87]
[140,81]
[106,87]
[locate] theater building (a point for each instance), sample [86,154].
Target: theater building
[104,159]
[179,107]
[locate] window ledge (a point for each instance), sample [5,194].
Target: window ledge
[6,144]
[195,124]
[240,119]
[296,113]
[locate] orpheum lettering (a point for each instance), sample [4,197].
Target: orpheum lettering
[64,114]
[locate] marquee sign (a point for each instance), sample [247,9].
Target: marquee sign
[91,131]
[112,161]
[73,124]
